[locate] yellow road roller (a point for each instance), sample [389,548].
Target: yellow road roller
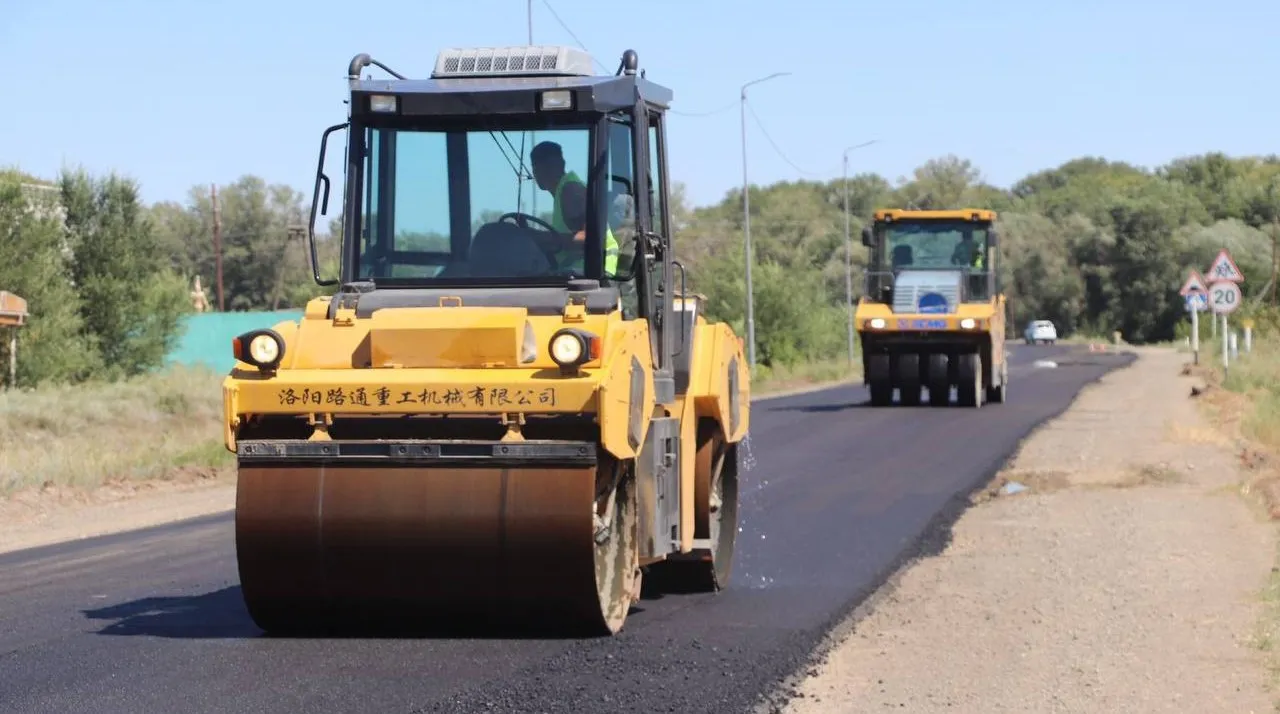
[932,314]
[509,409]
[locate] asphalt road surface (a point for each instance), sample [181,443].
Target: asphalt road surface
[835,497]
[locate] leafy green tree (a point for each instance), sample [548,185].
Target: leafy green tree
[130,298]
[34,264]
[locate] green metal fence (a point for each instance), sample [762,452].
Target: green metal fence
[206,338]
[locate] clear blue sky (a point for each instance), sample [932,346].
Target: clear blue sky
[177,93]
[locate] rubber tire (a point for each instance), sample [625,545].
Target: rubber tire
[939,381]
[881,386]
[909,379]
[998,395]
[969,388]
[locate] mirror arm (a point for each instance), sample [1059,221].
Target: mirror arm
[320,203]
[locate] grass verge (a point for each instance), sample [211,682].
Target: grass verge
[81,437]
[766,380]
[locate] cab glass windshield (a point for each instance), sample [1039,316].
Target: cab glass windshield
[483,204]
[934,245]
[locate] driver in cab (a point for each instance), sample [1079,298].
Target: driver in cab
[569,212]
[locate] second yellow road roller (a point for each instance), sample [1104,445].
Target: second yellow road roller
[509,407]
[933,313]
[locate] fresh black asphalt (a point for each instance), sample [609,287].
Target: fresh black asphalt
[837,495]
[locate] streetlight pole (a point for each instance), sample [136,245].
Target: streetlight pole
[848,245]
[746,221]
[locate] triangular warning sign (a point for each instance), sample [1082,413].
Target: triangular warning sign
[1195,283]
[1224,268]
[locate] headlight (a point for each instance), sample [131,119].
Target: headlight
[876,323]
[968,323]
[261,348]
[264,349]
[567,348]
[570,348]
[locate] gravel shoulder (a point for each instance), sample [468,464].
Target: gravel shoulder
[1128,576]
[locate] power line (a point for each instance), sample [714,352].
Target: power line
[774,144]
[564,26]
[713,112]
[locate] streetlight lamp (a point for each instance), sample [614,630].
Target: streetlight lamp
[746,221]
[848,246]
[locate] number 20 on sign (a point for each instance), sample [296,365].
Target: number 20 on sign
[1224,297]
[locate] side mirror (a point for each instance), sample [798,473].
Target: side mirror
[868,238]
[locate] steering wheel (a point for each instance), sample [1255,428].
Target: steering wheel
[524,219]
[544,239]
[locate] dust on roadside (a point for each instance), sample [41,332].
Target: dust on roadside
[51,515]
[1126,577]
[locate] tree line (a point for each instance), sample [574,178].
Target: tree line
[1093,245]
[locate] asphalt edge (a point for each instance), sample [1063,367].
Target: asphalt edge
[933,539]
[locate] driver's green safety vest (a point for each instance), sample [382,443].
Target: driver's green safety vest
[570,257]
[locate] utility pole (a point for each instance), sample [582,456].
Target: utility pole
[746,222]
[217,244]
[292,232]
[848,246]
[529,12]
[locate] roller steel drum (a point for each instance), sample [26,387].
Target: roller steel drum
[324,546]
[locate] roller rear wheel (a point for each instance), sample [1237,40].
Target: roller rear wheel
[716,519]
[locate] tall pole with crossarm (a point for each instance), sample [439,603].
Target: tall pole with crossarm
[848,245]
[746,222]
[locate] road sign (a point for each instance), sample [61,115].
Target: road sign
[1224,297]
[1224,268]
[1197,301]
[1195,282]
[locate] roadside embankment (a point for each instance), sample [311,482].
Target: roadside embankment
[1112,565]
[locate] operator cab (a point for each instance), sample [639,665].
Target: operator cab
[452,184]
[929,261]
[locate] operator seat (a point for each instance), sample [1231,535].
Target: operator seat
[505,250]
[902,256]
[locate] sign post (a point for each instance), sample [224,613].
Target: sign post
[1248,335]
[1194,291]
[13,314]
[1225,296]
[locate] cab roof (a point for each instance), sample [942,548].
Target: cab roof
[509,80]
[958,214]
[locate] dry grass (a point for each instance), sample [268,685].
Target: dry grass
[91,435]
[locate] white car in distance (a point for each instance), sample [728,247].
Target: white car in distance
[1040,332]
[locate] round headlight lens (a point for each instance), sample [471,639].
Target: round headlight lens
[877,323]
[967,323]
[566,348]
[264,349]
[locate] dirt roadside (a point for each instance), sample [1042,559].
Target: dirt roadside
[48,516]
[1129,576]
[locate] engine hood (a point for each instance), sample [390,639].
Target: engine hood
[928,292]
